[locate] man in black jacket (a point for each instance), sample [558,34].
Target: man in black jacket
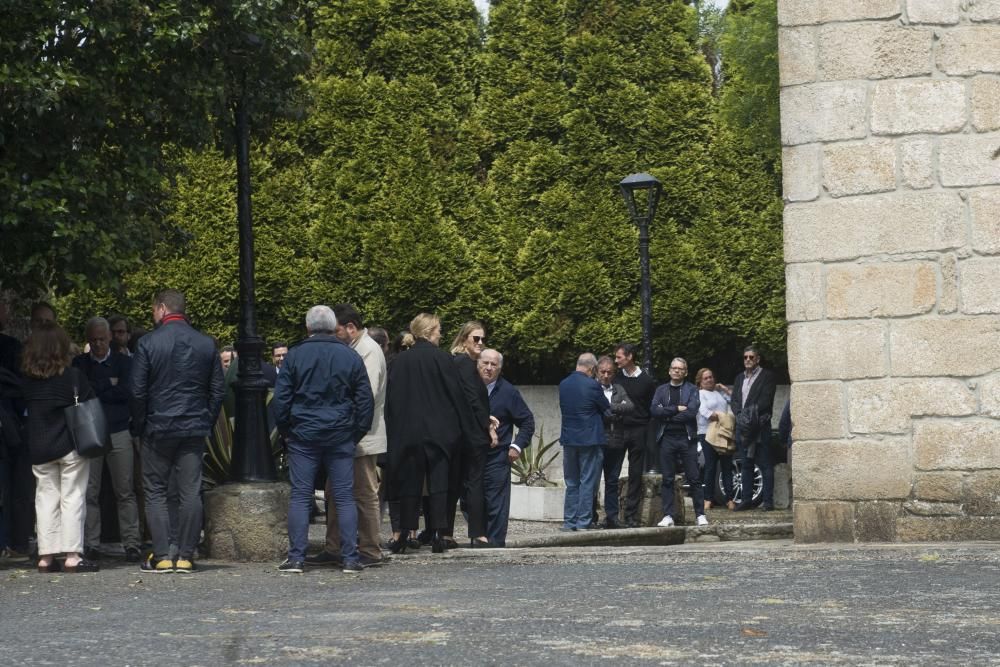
[642,454]
[177,391]
[108,373]
[753,394]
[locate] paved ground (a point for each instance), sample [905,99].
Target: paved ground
[725,603]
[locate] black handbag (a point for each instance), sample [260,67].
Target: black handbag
[88,427]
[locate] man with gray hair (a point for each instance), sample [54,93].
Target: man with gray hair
[507,410]
[108,371]
[323,405]
[583,405]
[675,410]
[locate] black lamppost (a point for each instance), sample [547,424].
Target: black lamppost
[252,460]
[642,212]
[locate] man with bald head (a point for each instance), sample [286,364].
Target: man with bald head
[583,405]
[507,411]
[108,371]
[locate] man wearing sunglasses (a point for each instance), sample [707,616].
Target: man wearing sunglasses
[753,394]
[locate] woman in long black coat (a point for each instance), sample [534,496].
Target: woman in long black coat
[467,469]
[427,417]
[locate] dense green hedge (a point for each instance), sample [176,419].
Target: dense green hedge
[471,170]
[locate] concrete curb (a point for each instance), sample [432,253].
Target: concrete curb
[638,537]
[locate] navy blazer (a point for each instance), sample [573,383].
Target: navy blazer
[663,411]
[507,405]
[583,405]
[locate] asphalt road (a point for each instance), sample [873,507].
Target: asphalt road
[713,604]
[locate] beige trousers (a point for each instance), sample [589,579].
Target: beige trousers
[61,503]
[366,498]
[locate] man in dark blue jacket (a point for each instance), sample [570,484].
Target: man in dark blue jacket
[508,409]
[323,404]
[675,408]
[108,373]
[177,391]
[582,405]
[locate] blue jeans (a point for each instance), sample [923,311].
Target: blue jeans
[582,470]
[613,460]
[304,460]
[716,461]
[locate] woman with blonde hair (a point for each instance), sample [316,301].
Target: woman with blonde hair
[714,400]
[427,419]
[51,385]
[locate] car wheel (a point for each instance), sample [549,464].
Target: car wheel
[758,485]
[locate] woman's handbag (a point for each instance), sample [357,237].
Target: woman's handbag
[88,427]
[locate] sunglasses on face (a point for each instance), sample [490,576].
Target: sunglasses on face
[479,339]
[749,356]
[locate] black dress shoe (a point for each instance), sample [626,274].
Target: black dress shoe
[478,544]
[413,543]
[399,546]
[438,544]
[425,536]
[611,525]
[743,507]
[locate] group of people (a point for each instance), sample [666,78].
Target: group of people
[160,394]
[425,429]
[608,413]
[444,425]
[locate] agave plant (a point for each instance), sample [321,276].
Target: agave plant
[534,460]
[219,450]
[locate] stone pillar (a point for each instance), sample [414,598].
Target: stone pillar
[890,115]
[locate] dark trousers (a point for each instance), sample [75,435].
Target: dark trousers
[467,485]
[674,451]
[435,468]
[762,458]
[496,490]
[177,461]
[635,439]
[614,457]
[17,487]
[715,461]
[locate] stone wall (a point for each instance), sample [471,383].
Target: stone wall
[890,113]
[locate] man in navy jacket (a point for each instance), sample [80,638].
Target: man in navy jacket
[675,408]
[583,405]
[508,408]
[323,404]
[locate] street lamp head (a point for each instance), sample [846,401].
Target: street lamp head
[641,184]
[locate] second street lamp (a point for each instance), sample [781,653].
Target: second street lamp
[642,194]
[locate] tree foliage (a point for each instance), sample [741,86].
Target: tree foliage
[471,170]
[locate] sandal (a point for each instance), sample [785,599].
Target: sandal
[52,567]
[83,565]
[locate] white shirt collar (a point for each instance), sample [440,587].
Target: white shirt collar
[636,373]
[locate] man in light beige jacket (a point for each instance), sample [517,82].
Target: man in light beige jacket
[350,330]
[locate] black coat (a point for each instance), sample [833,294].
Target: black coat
[477,395]
[761,392]
[177,384]
[425,406]
[48,436]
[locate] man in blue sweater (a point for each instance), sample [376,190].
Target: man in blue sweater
[508,409]
[108,373]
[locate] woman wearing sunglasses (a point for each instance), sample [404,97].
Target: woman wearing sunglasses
[467,468]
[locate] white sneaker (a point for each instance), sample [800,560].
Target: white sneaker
[702,520]
[666,522]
